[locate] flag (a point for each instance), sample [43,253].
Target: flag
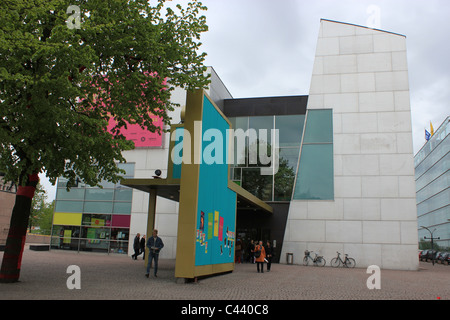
[427,135]
[431,129]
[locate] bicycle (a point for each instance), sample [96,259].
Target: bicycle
[318,260]
[347,262]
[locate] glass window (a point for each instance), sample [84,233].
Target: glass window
[123,194]
[284,178]
[68,206]
[98,207]
[315,175]
[73,194]
[319,126]
[94,245]
[290,129]
[259,123]
[122,207]
[99,194]
[65,237]
[96,220]
[257,184]
[240,140]
[129,169]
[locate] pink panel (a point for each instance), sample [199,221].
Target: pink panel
[141,137]
[121,220]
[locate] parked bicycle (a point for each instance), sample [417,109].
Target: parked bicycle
[347,262]
[317,260]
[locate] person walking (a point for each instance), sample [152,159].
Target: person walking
[142,247]
[260,255]
[250,249]
[154,245]
[269,254]
[136,246]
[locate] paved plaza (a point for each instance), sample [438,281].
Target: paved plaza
[118,277]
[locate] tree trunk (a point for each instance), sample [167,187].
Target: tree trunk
[12,257]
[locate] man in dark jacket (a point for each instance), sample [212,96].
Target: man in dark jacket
[136,247]
[154,245]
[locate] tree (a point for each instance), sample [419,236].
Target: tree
[60,83]
[41,212]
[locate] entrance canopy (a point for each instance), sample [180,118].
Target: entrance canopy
[169,189]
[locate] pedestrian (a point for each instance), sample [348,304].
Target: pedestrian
[260,255]
[142,246]
[269,254]
[238,251]
[154,245]
[251,247]
[136,246]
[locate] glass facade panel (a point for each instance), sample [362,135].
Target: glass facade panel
[84,216]
[68,206]
[98,207]
[290,129]
[284,178]
[315,176]
[258,123]
[279,186]
[432,174]
[99,194]
[319,127]
[123,194]
[240,142]
[96,220]
[73,194]
[258,185]
[434,187]
[122,207]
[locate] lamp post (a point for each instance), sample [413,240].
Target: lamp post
[431,238]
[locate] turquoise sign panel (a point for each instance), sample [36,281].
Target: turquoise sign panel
[216,211]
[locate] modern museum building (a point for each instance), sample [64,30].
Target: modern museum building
[330,171]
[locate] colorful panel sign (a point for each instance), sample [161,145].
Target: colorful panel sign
[216,207]
[67,218]
[141,137]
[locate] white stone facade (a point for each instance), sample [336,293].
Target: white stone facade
[362,74]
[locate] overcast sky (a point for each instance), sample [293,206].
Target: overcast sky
[266,47]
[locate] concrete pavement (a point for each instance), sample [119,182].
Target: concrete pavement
[117,277]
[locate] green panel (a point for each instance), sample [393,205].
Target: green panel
[315,176]
[319,126]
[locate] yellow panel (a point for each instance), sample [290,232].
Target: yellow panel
[68,219]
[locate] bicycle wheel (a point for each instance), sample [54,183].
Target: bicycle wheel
[320,261]
[305,261]
[335,262]
[350,263]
